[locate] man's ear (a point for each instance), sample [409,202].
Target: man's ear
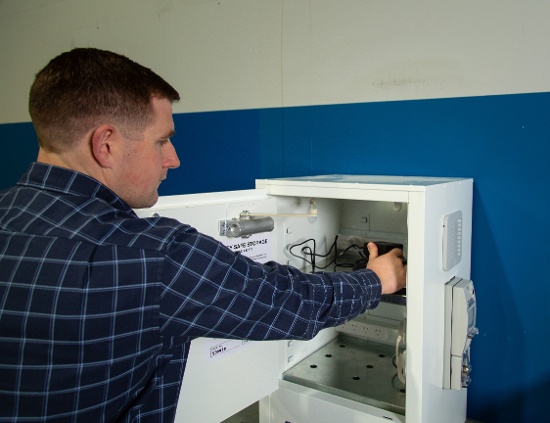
[102,144]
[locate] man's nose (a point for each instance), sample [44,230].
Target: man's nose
[172,161]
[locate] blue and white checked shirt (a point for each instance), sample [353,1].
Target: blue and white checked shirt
[98,307]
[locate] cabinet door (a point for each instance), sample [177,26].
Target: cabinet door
[224,376]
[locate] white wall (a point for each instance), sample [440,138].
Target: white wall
[238,54]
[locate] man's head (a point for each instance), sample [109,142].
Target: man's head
[101,114]
[82,88]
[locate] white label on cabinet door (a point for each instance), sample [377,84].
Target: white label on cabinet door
[258,247]
[220,347]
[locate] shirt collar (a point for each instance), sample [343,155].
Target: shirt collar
[67,181]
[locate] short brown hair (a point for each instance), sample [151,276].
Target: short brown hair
[79,88]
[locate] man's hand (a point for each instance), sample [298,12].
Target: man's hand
[389,267]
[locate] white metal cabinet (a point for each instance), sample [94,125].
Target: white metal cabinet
[408,210]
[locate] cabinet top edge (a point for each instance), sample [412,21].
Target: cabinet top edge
[361,181]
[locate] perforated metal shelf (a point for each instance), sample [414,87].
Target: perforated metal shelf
[356,369]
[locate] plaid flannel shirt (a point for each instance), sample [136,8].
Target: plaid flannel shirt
[98,307]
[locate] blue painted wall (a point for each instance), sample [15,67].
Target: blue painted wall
[503,142]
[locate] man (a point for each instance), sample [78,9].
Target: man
[97,306]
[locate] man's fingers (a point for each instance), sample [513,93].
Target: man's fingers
[373,250]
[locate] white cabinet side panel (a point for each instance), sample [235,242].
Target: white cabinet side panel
[428,402]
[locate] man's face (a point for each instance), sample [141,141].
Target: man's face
[143,165]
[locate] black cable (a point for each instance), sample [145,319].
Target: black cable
[312,253]
[302,243]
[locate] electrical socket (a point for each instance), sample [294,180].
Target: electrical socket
[379,331]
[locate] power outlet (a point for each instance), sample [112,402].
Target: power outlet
[379,331]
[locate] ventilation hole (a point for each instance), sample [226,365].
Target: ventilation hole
[328,355]
[370,366]
[356,378]
[313,366]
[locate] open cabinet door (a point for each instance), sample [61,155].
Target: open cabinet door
[224,376]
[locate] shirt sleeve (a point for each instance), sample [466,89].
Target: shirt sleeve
[211,291]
